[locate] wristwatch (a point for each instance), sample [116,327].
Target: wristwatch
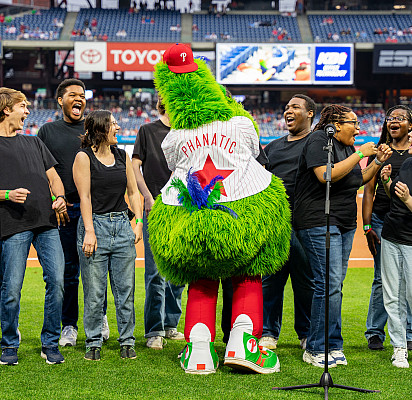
[63,197]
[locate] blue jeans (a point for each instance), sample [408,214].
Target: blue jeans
[115,255]
[273,286]
[397,288]
[313,241]
[163,301]
[68,238]
[377,316]
[14,257]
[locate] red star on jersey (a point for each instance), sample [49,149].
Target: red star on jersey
[209,171]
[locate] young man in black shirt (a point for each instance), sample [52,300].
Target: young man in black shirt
[283,155]
[28,216]
[162,308]
[62,138]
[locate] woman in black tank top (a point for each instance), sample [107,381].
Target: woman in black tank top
[105,239]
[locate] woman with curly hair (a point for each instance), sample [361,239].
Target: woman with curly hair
[309,219]
[375,205]
[396,255]
[105,239]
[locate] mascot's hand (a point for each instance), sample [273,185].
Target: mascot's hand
[148,204]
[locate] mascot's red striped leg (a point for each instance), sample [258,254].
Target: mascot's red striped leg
[200,356]
[242,350]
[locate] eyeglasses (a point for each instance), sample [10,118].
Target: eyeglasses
[398,118]
[356,124]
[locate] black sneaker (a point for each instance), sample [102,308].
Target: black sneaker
[127,351]
[375,343]
[52,355]
[92,353]
[9,356]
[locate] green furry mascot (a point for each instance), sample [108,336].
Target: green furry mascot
[221,215]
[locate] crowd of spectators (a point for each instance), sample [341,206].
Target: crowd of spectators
[132,112]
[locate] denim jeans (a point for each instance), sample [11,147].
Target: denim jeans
[397,288]
[68,238]
[377,316]
[115,254]
[313,241]
[273,286]
[163,301]
[14,257]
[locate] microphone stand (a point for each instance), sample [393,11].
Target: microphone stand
[326,381]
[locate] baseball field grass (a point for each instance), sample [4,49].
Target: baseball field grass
[157,374]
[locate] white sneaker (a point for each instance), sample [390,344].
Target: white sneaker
[400,357]
[105,329]
[68,337]
[339,357]
[269,342]
[155,342]
[318,360]
[174,334]
[303,343]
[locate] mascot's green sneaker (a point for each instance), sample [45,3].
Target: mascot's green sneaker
[199,358]
[244,353]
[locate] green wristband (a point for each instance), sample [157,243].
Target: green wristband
[385,182]
[139,220]
[360,154]
[53,198]
[6,196]
[366,227]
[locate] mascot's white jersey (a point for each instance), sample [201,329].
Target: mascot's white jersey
[221,148]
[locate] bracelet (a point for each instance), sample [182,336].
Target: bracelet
[385,182]
[139,220]
[360,154]
[6,196]
[53,198]
[377,162]
[366,232]
[367,227]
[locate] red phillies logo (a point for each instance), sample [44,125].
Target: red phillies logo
[252,345]
[91,56]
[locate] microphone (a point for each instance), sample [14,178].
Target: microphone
[330,130]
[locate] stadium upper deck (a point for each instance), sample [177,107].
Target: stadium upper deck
[171,26]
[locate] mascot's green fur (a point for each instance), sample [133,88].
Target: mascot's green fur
[212,243]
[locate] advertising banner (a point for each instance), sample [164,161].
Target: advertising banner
[392,59]
[284,64]
[333,64]
[115,56]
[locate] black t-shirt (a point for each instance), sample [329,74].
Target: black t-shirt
[63,141]
[147,148]
[381,201]
[397,226]
[310,194]
[283,156]
[108,184]
[24,161]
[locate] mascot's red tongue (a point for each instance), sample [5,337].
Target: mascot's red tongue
[179,59]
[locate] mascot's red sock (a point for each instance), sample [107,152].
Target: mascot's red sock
[200,328]
[242,350]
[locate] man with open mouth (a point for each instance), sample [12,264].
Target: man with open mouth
[62,138]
